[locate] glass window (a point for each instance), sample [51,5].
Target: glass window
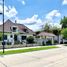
[23,37]
[11,36]
[14,29]
[5,37]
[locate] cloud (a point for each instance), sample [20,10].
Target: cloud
[33,22]
[9,11]
[30,21]
[53,13]
[64,2]
[1,9]
[22,1]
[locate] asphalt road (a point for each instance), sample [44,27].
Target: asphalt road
[45,58]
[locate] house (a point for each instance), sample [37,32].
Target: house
[15,32]
[45,36]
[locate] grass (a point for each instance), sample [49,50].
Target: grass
[27,50]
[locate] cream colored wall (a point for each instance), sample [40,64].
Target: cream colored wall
[26,35]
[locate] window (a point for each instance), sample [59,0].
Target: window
[11,36]
[5,37]
[25,30]
[14,29]
[23,37]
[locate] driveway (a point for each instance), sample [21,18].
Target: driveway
[45,58]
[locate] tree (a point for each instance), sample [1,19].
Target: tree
[64,33]
[47,28]
[56,31]
[37,32]
[64,22]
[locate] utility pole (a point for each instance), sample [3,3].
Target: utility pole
[3,43]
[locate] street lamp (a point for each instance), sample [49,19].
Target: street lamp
[2,13]
[3,43]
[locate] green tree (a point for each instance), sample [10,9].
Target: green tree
[64,33]
[63,22]
[47,28]
[56,31]
[37,32]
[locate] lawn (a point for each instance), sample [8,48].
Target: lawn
[27,50]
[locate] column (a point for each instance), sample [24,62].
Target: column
[52,40]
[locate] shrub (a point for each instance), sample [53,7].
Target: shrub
[43,43]
[49,42]
[8,43]
[1,37]
[37,36]
[55,41]
[30,39]
[16,42]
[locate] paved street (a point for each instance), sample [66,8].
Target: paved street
[46,58]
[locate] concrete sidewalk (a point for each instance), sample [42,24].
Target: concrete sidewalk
[29,47]
[45,58]
[23,48]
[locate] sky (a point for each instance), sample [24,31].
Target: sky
[34,13]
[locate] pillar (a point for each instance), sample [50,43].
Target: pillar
[52,40]
[45,40]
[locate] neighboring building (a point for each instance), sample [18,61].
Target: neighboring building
[15,31]
[44,37]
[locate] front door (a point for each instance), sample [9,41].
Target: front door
[15,37]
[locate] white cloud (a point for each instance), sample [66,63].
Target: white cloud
[22,1]
[33,22]
[51,16]
[29,21]
[64,2]
[9,12]
[53,13]
[0,8]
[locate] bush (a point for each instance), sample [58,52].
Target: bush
[16,42]
[37,36]
[49,42]
[55,41]
[8,43]
[1,37]
[43,43]
[30,39]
